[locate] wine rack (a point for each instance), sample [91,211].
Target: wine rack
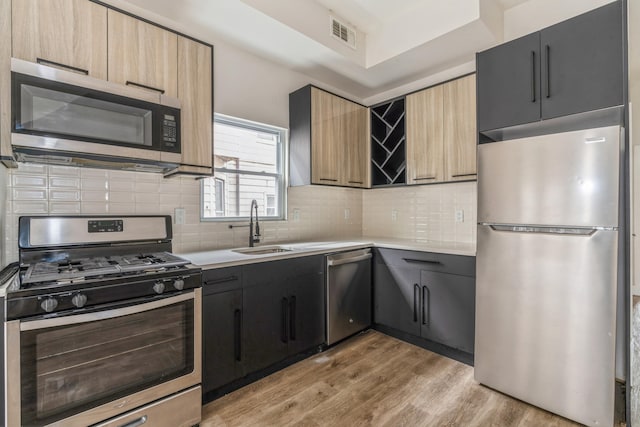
[388,151]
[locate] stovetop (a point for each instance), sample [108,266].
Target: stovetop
[94,268]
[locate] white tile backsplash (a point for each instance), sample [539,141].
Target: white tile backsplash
[423,212]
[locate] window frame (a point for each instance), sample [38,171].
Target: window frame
[282,163]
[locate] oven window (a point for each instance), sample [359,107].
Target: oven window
[69,369]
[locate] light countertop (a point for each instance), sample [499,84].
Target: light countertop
[230,257]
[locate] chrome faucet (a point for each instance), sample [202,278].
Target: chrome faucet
[253,237]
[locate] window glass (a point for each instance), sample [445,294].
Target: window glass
[248,165]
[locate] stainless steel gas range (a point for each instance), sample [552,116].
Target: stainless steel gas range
[104,326]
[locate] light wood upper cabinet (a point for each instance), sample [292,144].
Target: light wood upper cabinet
[339,151]
[424,131]
[66,34]
[326,132]
[195,94]
[142,54]
[460,128]
[356,147]
[441,133]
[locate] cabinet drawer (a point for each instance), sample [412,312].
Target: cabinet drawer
[221,280]
[430,261]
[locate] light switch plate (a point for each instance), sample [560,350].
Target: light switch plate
[394,215]
[296,215]
[347,213]
[179,214]
[459,215]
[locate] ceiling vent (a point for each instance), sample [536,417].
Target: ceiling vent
[340,31]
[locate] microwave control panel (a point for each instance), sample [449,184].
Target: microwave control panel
[169,131]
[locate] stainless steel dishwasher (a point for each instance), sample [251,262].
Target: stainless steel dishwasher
[348,293]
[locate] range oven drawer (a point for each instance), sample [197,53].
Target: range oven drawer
[180,410]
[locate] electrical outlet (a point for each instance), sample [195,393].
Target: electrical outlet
[347,213]
[459,215]
[394,215]
[296,215]
[179,214]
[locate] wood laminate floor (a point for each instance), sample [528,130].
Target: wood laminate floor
[373,380]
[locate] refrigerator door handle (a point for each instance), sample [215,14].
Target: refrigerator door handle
[573,231]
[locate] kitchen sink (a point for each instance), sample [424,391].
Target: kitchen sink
[263,250]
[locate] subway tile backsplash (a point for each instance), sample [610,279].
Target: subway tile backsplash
[314,212]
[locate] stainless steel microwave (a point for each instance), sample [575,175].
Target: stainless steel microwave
[74,119]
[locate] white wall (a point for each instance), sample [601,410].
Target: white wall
[534,15]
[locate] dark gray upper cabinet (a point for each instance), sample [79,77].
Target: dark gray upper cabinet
[509,76]
[571,67]
[582,63]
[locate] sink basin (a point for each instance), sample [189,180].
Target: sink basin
[263,250]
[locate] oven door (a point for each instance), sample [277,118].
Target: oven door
[80,369]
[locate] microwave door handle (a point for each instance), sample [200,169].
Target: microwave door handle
[140,85]
[54,64]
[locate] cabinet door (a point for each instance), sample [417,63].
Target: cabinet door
[66,34]
[425,143]
[222,340]
[509,83]
[447,309]
[195,94]
[306,307]
[265,325]
[396,297]
[355,145]
[582,63]
[460,129]
[142,55]
[327,130]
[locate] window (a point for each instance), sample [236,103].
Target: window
[249,161]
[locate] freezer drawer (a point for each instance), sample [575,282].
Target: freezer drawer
[545,320]
[562,179]
[348,294]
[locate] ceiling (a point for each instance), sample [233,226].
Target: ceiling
[397,41]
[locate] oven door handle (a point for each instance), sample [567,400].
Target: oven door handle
[30,325]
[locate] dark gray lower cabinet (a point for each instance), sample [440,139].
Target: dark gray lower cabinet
[257,315]
[284,309]
[426,295]
[221,327]
[448,304]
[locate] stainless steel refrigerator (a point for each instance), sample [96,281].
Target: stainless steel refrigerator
[547,264]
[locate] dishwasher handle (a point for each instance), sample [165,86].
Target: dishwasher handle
[334,262]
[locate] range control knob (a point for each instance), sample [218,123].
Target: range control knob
[158,287]
[178,284]
[79,300]
[49,304]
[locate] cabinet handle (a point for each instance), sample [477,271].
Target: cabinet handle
[237,324]
[355,182]
[422,178]
[421,261]
[416,293]
[221,280]
[425,314]
[63,66]
[328,179]
[533,76]
[137,422]
[285,325]
[547,51]
[463,174]
[155,89]
[292,318]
